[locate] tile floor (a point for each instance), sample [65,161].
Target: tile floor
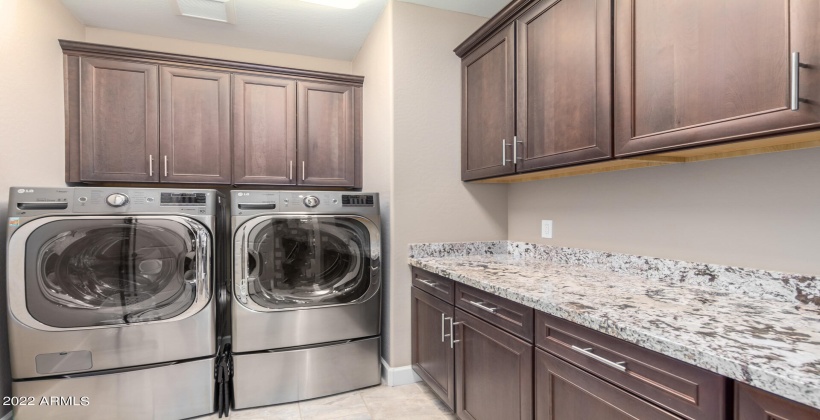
[413,401]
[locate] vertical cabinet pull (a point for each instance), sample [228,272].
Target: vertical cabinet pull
[150,165]
[303,170]
[504,152]
[516,142]
[165,159]
[290,170]
[795,79]
[452,332]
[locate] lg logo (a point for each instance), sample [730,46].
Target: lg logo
[23,191]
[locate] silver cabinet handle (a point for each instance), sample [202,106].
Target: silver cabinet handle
[516,142]
[795,86]
[442,327]
[290,170]
[165,158]
[452,333]
[303,170]
[481,306]
[428,282]
[504,152]
[150,165]
[588,352]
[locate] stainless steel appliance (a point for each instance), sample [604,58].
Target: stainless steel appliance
[306,303]
[111,301]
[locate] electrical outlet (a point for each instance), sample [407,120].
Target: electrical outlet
[546,229]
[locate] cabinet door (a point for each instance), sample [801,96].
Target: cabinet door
[264,130]
[755,404]
[691,72]
[326,141]
[565,392]
[564,73]
[493,372]
[119,138]
[488,108]
[432,356]
[195,126]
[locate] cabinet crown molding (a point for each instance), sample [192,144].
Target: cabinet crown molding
[506,15]
[75,47]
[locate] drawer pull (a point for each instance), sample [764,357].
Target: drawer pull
[481,306]
[429,283]
[588,352]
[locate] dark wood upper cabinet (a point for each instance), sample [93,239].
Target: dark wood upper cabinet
[755,404]
[488,108]
[564,392]
[264,130]
[118,120]
[432,356]
[140,116]
[493,372]
[195,126]
[698,72]
[326,142]
[564,83]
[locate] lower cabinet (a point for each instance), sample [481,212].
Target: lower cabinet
[563,391]
[475,350]
[432,352]
[493,371]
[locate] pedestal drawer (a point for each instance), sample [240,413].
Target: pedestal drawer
[678,386]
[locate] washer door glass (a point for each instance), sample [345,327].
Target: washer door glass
[91,272]
[308,261]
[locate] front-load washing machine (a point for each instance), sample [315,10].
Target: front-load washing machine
[111,301]
[306,303]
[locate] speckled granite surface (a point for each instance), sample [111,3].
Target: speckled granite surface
[766,339]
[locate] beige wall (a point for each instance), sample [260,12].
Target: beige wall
[430,203]
[31,111]
[375,62]
[756,211]
[179,46]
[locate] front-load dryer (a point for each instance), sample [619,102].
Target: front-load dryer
[111,301]
[306,303]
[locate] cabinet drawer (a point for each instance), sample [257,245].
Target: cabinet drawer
[756,404]
[678,386]
[511,316]
[438,286]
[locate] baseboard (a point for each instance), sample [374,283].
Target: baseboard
[395,376]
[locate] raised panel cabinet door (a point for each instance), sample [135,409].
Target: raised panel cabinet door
[119,116]
[564,83]
[432,354]
[264,130]
[565,392]
[488,108]
[693,72]
[326,144]
[195,122]
[493,372]
[755,404]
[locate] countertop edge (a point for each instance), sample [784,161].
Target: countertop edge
[754,376]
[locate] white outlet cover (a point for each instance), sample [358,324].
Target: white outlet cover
[546,229]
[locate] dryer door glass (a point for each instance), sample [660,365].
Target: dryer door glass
[308,261]
[91,272]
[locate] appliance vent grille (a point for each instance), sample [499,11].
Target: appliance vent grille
[216,10]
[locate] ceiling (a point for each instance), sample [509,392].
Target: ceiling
[288,26]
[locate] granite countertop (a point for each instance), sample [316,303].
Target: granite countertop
[768,336]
